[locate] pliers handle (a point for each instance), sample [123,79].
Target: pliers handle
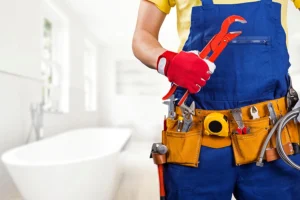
[216,45]
[242,131]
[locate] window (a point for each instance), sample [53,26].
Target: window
[90,72]
[55,66]
[47,39]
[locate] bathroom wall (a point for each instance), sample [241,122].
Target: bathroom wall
[20,34]
[19,72]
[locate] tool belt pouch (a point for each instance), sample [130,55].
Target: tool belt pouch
[289,138]
[247,147]
[292,130]
[183,147]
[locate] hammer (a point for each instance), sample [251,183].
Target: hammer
[158,153]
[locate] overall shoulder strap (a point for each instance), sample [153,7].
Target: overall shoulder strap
[267,1]
[209,2]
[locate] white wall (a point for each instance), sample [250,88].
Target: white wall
[20,54]
[20,19]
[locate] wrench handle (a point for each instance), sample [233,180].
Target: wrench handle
[207,49]
[184,97]
[161,182]
[171,92]
[217,46]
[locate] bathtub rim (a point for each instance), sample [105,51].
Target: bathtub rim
[8,156]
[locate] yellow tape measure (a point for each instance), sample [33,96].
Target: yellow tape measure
[216,124]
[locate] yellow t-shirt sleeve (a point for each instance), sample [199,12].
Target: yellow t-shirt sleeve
[297,3]
[164,5]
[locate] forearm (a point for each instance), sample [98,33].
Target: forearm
[146,48]
[145,43]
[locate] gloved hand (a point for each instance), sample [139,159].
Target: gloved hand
[185,69]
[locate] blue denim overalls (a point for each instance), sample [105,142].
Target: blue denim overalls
[253,68]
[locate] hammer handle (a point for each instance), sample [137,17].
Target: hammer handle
[161,182]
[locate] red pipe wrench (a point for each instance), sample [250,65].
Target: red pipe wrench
[216,45]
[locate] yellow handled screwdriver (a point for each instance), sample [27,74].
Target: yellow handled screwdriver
[180,123]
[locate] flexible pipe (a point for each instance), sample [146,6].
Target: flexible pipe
[279,126]
[290,116]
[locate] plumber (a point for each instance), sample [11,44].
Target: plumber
[216,156]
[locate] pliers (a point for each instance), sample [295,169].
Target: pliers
[215,46]
[237,115]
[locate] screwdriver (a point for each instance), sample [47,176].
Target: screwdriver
[180,123]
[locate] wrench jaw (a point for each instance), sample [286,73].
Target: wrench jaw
[241,21]
[225,26]
[190,109]
[220,40]
[253,110]
[232,19]
[231,35]
[171,106]
[218,48]
[187,113]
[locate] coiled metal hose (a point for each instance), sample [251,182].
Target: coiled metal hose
[279,126]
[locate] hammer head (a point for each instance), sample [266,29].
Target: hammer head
[158,148]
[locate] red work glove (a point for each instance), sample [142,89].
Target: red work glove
[185,69]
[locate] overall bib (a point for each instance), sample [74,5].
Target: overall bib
[253,68]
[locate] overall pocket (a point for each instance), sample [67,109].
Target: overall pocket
[263,40]
[183,147]
[247,147]
[250,63]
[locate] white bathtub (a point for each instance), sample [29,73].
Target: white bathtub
[76,165]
